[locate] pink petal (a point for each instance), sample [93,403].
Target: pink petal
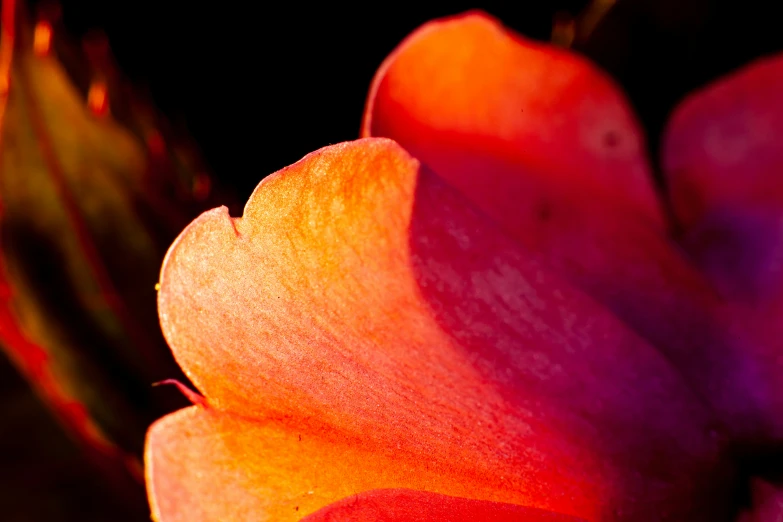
[513,125]
[206,465]
[723,159]
[722,156]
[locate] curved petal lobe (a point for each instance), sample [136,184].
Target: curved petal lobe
[517,128]
[462,92]
[361,291]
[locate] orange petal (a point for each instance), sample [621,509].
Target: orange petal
[463,94]
[404,505]
[360,291]
[516,126]
[207,465]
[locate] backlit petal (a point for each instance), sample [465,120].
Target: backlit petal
[206,465]
[517,127]
[360,291]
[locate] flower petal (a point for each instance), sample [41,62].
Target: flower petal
[722,156]
[402,505]
[361,291]
[462,92]
[267,470]
[722,145]
[452,94]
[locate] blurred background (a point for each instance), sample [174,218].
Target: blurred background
[136,116]
[258,92]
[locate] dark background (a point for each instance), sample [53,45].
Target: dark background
[259,91]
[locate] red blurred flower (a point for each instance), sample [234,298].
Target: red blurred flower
[375,345]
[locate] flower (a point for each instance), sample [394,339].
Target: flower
[477,310]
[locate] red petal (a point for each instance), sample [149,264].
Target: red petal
[464,94]
[207,465]
[451,94]
[403,505]
[360,291]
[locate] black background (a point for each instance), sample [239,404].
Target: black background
[260,85]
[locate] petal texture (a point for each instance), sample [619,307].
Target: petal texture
[267,470]
[361,292]
[523,130]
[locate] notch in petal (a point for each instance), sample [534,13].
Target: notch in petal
[360,291]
